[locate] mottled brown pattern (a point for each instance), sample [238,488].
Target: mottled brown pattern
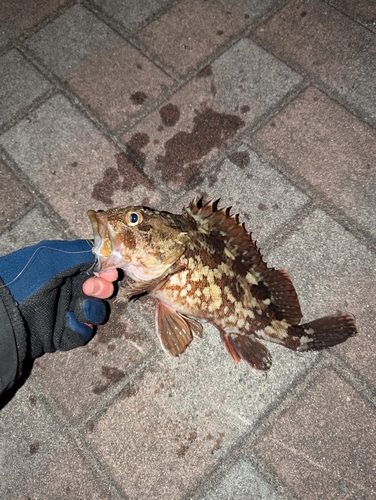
[203,264]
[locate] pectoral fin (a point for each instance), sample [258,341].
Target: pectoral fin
[249,349]
[140,287]
[174,330]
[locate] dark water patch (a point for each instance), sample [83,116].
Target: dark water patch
[170,114]
[104,190]
[206,72]
[112,375]
[134,146]
[34,448]
[126,176]
[218,443]
[210,130]
[138,98]
[131,177]
[239,158]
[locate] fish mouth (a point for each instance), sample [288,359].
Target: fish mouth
[107,247]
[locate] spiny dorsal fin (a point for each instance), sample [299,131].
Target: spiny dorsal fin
[227,227]
[220,223]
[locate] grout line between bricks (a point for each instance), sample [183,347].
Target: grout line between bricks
[331,92]
[14,42]
[348,373]
[319,200]
[73,435]
[40,199]
[117,26]
[354,20]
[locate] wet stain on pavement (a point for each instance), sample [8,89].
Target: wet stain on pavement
[104,190]
[218,443]
[126,177]
[184,447]
[116,328]
[239,158]
[129,392]
[263,207]
[112,375]
[170,115]
[34,448]
[210,130]
[138,98]
[32,400]
[205,73]
[134,148]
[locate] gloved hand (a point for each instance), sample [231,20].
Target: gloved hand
[42,305]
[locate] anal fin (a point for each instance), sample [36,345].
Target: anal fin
[249,349]
[174,330]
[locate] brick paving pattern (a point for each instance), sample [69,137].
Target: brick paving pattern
[270,105]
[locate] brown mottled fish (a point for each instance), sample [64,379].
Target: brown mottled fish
[203,266]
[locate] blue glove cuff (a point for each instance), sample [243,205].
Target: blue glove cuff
[27,270]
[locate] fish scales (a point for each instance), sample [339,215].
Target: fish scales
[203,266]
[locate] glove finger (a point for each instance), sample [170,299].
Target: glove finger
[85,331]
[94,310]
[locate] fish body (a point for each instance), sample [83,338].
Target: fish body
[203,266]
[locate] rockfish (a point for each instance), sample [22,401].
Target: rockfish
[203,266]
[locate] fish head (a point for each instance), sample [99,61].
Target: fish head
[141,241]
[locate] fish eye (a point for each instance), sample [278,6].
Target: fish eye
[133,218]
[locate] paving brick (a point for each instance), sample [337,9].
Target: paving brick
[73,165]
[183,135]
[364,12]
[106,72]
[37,459]
[331,149]
[323,444]
[263,197]
[20,17]
[331,270]
[182,417]
[132,14]
[300,34]
[15,200]
[242,482]
[28,230]
[103,365]
[191,31]
[119,414]
[20,85]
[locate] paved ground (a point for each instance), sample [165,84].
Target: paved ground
[270,105]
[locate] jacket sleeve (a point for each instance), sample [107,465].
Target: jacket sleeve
[12,339]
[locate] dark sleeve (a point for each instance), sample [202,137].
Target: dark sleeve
[12,339]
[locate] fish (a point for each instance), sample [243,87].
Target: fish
[202,266]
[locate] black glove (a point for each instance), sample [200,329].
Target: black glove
[42,305]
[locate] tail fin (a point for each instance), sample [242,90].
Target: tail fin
[326,332]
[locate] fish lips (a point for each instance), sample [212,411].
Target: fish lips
[106,247]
